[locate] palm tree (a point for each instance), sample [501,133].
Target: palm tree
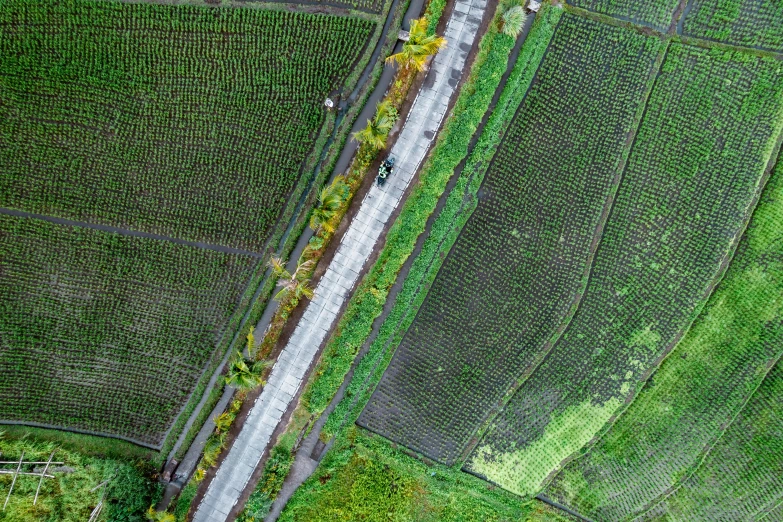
[513,21]
[418,47]
[292,284]
[377,129]
[245,375]
[330,200]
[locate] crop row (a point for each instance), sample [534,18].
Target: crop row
[698,389]
[709,130]
[372,6]
[517,264]
[750,23]
[742,476]
[103,332]
[651,13]
[184,121]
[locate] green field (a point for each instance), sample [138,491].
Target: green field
[698,390]
[107,333]
[71,495]
[190,130]
[750,23]
[157,118]
[742,476]
[592,314]
[526,247]
[690,184]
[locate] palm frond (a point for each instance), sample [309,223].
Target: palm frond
[304,290]
[303,270]
[419,46]
[278,268]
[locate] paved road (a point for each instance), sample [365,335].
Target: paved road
[289,372]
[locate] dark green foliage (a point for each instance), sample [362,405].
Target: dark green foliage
[518,263]
[186,121]
[130,493]
[651,13]
[709,132]
[750,23]
[698,390]
[363,478]
[742,477]
[71,495]
[103,332]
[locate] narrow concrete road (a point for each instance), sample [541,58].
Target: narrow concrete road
[289,372]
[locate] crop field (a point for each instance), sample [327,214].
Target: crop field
[742,477]
[710,128]
[524,251]
[698,390]
[651,13]
[192,124]
[749,23]
[107,333]
[157,118]
[369,6]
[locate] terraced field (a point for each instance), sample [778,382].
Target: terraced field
[685,406]
[104,332]
[742,477]
[690,184]
[749,23]
[531,343]
[189,130]
[540,206]
[111,118]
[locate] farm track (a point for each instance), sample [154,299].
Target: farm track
[188,464]
[311,452]
[285,381]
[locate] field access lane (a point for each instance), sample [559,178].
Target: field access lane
[341,276]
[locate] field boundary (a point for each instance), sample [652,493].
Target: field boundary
[126,232]
[79,431]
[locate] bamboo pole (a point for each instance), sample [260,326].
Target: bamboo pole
[26,473]
[28,462]
[13,481]
[43,474]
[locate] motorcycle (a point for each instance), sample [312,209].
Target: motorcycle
[385,170]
